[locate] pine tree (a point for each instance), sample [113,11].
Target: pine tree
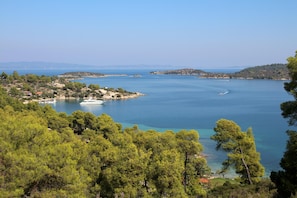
[286,179]
[241,148]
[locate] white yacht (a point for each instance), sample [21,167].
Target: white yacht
[47,101]
[91,102]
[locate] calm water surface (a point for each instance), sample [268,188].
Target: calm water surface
[187,102]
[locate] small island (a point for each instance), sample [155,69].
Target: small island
[46,89]
[186,71]
[80,75]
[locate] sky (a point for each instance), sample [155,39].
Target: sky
[185,33]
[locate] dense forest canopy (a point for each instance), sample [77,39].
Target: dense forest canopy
[45,153]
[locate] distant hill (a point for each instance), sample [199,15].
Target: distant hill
[273,71]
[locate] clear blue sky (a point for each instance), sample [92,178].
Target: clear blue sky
[192,33]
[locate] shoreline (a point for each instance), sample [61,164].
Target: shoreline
[109,96]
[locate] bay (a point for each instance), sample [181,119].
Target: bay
[173,102]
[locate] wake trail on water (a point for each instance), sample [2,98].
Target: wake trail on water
[222,93]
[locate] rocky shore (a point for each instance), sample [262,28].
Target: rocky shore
[105,94]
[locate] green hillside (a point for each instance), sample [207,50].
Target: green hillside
[273,71]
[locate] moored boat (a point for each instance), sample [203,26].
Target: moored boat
[91,102]
[47,101]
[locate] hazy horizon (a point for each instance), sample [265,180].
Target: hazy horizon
[40,65]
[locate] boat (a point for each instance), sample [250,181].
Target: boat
[223,93]
[91,102]
[47,101]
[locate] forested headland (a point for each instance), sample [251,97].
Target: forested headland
[269,72]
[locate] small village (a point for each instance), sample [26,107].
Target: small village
[45,89]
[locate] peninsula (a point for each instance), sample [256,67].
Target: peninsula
[31,87]
[270,72]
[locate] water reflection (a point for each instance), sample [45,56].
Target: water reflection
[91,108]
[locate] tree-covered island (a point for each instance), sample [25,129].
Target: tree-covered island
[31,87]
[75,75]
[269,72]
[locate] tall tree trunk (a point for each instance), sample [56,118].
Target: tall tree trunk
[146,185]
[185,172]
[246,167]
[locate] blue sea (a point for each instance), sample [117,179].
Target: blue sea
[174,102]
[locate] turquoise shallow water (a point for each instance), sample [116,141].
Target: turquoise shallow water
[187,102]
